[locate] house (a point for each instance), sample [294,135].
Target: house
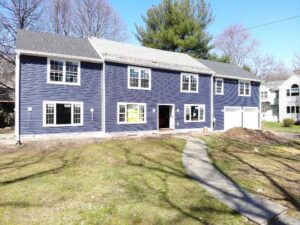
[236,97]
[96,87]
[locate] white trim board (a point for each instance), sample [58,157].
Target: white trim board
[237,78]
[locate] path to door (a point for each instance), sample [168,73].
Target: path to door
[255,208]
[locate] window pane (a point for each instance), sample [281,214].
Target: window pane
[63,113]
[242,86]
[193,83]
[195,113]
[145,79]
[219,84]
[71,72]
[77,114]
[293,109]
[288,93]
[247,88]
[122,113]
[185,83]
[288,109]
[297,109]
[187,113]
[56,71]
[132,113]
[49,114]
[142,113]
[134,78]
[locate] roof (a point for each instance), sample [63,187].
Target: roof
[228,70]
[142,56]
[273,84]
[45,43]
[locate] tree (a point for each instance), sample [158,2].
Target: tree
[263,65]
[297,61]
[14,15]
[236,42]
[97,18]
[179,26]
[222,58]
[61,16]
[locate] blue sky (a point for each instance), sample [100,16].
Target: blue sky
[281,40]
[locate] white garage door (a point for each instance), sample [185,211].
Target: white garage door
[250,117]
[232,117]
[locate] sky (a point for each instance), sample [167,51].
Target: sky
[280,40]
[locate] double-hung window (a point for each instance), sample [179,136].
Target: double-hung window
[63,72]
[219,86]
[194,113]
[189,83]
[131,113]
[63,113]
[244,88]
[139,78]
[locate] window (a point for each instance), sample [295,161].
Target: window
[293,109]
[131,113]
[295,90]
[219,86]
[63,72]
[288,109]
[189,83]
[194,113]
[264,95]
[139,78]
[63,114]
[288,92]
[244,88]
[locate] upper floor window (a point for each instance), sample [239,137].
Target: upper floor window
[219,86]
[244,88]
[189,83]
[63,114]
[295,90]
[63,72]
[139,78]
[194,113]
[264,95]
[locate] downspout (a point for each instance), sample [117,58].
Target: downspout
[17,100]
[212,103]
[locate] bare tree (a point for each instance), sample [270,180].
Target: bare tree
[14,15]
[262,65]
[237,43]
[61,16]
[297,61]
[97,18]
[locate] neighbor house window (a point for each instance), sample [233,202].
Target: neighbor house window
[219,86]
[131,113]
[189,83]
[264,95]
[139,78]
[194,113]
[63,113]
[63,72]
[295,90]
[244,88]
[293,109]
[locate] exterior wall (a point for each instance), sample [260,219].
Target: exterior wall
[231,98]
[165,90]
[34,90]
[269,108]
[285,100]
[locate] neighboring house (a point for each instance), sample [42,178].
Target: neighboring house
[236,96]
[67,85]
[289,97]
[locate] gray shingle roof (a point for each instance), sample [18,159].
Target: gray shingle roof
[55,44]
[273,84]
[142,56]
[228,69]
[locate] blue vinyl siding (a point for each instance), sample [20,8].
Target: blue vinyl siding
[231,98]
[165,90]
[34,90]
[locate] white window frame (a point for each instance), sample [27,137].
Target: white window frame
[216,89]
[194,121]
[139,78]
[239,91]
[64,72]
[72,103]
[131,103]
[189,75]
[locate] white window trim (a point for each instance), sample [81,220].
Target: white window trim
[133,103]
[189,75]
[139,69]
[64,72]
[219,79]
[72,114]
[244,95]
[194,121]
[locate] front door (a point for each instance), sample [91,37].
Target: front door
[165,117]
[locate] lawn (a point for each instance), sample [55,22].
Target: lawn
[260,163]
[278,127]
[113,182]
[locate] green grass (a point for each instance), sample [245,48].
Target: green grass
[278,127]
[115,182]
[270,170]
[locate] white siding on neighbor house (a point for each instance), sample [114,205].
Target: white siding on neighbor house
[285,100]
[270,112]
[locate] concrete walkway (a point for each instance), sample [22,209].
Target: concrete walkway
[255,208]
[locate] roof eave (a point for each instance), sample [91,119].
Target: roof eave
[238,78]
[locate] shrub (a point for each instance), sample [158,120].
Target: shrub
[297,123]
[288,122]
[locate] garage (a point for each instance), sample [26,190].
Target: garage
[246,117]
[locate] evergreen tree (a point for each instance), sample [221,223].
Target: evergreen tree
[179,26]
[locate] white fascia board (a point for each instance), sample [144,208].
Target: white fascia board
[55,55]
[238,78]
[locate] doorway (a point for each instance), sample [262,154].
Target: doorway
[166,118]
